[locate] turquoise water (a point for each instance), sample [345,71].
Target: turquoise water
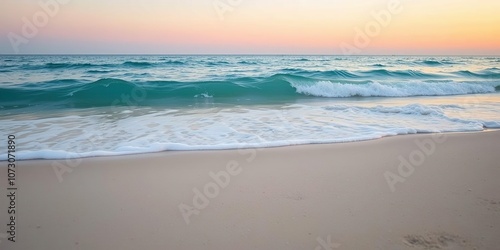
[76,106]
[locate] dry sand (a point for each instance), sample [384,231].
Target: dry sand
[445,195]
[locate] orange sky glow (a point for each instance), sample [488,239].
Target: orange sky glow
[443,27]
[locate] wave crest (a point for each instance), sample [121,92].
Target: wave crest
[376,89]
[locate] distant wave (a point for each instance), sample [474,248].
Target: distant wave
[217,63]
[174,62]
[400,74]
[98,71]
[247,63]
[436,62]
[494,69]
[432,63]
[365,75]
[484,74]
[337,74]
[96,67]
[67,65]
[137,64]
[59,66]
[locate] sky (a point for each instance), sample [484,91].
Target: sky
[382,27]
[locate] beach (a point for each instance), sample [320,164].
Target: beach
[249,152]
[229,124]
[61,107]
[425,191]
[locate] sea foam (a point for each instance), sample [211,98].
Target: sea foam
[143,130]
[376,89]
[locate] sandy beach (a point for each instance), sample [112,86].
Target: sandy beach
[225,124]
[431,191]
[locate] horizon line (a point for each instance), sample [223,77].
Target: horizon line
[230,54]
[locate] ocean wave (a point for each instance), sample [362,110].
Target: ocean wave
[334,74]
[400,74]
[168,60]
[248,62]
[376,89]
[98,71]
[433,62]
[106,91]
[60,66]
[493,69]
[172,62]
[378,73]
[79,106]
[484,74]
[67,65]
[217,63]
[137,64]
[96,67]
[111,91]
[331,74]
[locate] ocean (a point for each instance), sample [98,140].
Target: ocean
[68,106]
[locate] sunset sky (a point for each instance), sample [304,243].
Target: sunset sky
[442,27]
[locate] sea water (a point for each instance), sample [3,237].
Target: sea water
[68,106]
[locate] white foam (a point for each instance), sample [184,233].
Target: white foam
[334,89]
[204,95]
[146,130]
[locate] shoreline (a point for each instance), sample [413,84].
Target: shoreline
[485,130]
[417,191]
